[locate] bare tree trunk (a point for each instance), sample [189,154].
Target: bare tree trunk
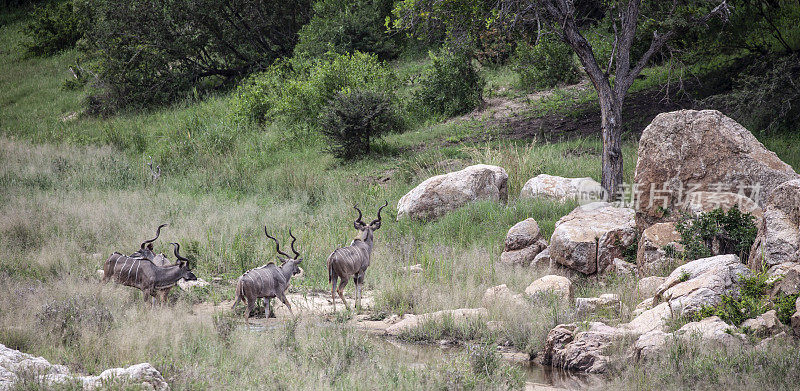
[611,113]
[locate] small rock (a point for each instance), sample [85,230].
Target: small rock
[191,285]
[795,320]
[651,256]
[410,321]
[764,325]
[606,306]
[412,269]
[552,284]
[780,339]
[650,344]
[787,276]
[645,305]
[523,243]
[501,295]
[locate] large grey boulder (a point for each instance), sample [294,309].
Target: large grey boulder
[589,238]
[605,306]
[523,243]
[648,286]
[502,295]
[443,193]
[688,151]
[779,241]
[563,189]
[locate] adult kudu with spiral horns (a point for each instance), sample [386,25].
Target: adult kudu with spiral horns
[268,281]
[353,260]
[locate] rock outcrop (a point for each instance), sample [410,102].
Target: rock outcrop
[563,189]
[657,247]
[568,346]
[523,243]
[560,287]
[15,365]
[591,236]
[687,151]
[443,193]
[764,325]
[779,241]
[688,289]
[648,286]
[713,330]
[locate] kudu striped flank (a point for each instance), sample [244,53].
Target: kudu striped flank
[268,281]
[139,271]
[353,260]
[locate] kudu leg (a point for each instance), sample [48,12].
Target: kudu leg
[283,298]
[270,312]
[251,304]
[334,282]
[341,293]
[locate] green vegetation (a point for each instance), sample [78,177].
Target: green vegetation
[717,232]
[242,144]
[351,120]
[450,85]
[56,26]
[544,65]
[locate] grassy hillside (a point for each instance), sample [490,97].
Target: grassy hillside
[74,189]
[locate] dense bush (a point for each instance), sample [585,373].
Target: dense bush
[353,118]
[717,232]
[545,65]
[766,96]
[55,26]
[750,302]
[150,52]
[450,85]
[296,91]
[346,26]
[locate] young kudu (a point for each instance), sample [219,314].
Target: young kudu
[353,260]
[268,281]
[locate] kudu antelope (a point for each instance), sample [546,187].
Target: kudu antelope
[153,280]
[145,252]
[353,260]
[268,281]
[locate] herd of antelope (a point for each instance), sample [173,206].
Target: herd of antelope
[155,276]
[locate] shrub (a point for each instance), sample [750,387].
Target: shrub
[450,85]
[346,26]
[352,119]
[766,96]
[55,26]
[785,307]
[731,232]
[749,303]
[544,65]
[150,52]
[296,91]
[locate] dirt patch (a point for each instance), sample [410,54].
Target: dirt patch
[500,108]
[583,121]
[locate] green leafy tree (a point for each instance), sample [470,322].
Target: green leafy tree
[149,52]
[346,26]
[569,20]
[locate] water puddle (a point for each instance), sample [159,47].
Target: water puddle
[537,377]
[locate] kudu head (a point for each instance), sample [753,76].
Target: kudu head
[146,248]
[183,264]
[366,230]
[292,263]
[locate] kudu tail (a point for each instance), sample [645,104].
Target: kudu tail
[238,294]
